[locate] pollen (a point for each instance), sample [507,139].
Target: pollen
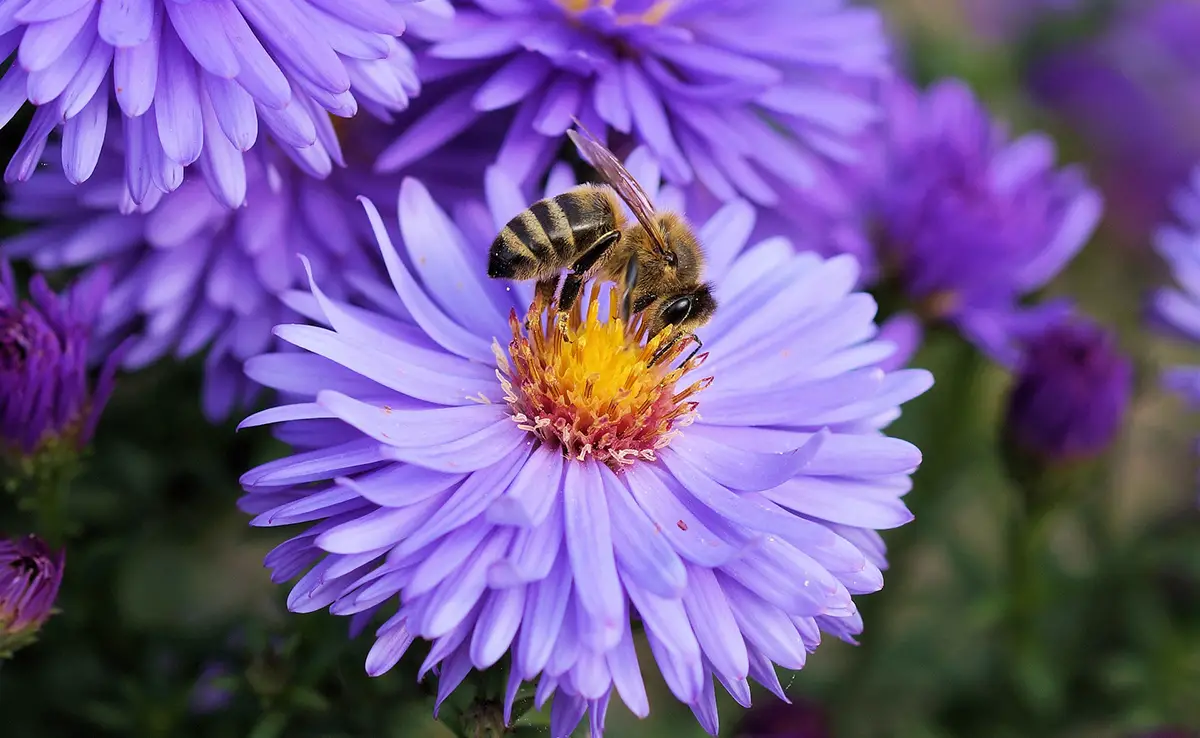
[597,388]
[651,16]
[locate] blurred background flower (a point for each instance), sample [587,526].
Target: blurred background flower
[748,99]
[1130,95]
[193,81]
[967,222]
[189,274]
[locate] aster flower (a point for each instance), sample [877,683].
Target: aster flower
[30,574]
[1131,95]
[193,81]
[968,222]
[1072,389]
[190,273]
[550,495]
[46,398]
[748,98]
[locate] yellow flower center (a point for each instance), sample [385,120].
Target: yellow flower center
[650,16]
[597,388]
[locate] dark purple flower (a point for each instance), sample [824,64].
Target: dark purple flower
[45,393]
[746,97]
[189,273]
[30,574]
[800,718]
[517,492]
[1132,95]
[968,222]
[194,80]
[1072,391]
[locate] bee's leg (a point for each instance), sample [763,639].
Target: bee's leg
[544,296]
[662,350]
[699,345]
[574,281]
[631,271]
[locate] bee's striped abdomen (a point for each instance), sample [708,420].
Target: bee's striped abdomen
[519,250]
[551,234]
[590,213]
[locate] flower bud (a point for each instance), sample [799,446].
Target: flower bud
[46,400]
[1072,390]
[30,574]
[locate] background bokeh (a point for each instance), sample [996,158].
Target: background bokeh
[169,625]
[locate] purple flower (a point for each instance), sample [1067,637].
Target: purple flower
[1131,95]
[30,574]
[193,81]
[189,272]
[1072,390]
[45,393]
[539,493]
[744,97]
[1176,310]
[968,222]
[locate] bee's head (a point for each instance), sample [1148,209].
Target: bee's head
[683,249]
[687,311]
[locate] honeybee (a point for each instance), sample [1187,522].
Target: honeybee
[658,259]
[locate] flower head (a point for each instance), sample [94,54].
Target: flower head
[747,98]
[194,80]
[1072,390]
[46,397]
[190,273]
[968,222]
[30,574]
[527,490]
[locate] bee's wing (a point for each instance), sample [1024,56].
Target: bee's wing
[618,177]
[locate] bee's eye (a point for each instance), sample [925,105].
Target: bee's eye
[677,310]
[670,257]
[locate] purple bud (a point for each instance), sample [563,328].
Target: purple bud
[1073,386]
[45,393]
[30,574]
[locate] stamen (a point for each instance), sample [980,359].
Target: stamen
[592,388]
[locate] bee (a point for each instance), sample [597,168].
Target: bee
[658,258]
